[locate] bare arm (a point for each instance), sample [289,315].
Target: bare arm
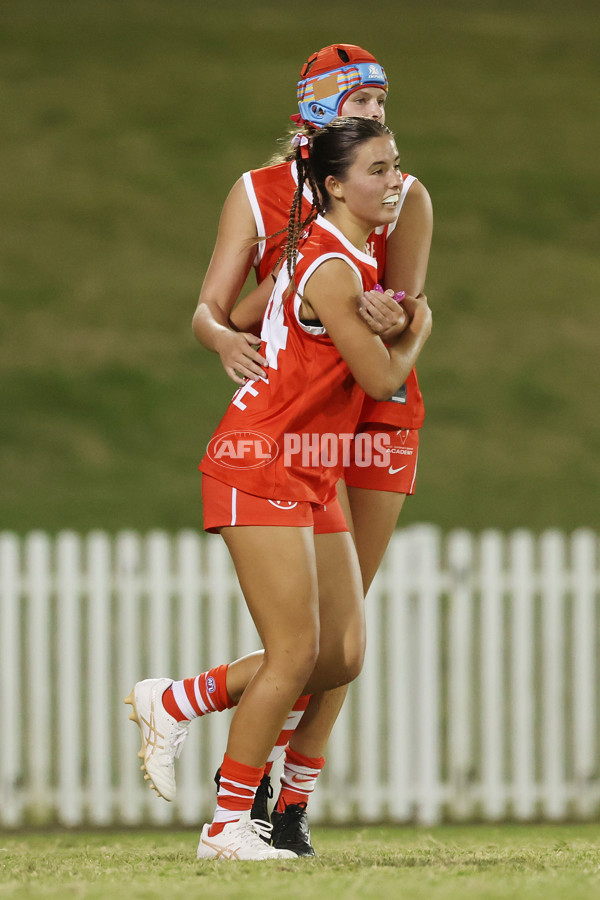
[408,246]
[230,264]
[332,292]
[248,313]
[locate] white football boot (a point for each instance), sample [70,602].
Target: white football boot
[246,839]
[162,735]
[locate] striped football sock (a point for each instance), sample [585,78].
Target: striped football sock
[290,726]
[237,787]
[299,778]
[193,697]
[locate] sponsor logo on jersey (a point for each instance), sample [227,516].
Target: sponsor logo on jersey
[401,448]
[242,450]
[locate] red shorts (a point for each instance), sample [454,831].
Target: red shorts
[394,469]
[225,505]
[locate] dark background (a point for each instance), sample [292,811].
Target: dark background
[124,124]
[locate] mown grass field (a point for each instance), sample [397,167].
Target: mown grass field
[447,863]
[124,124]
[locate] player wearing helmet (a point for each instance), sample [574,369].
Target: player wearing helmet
[331,77]
[338,79]
[322,360]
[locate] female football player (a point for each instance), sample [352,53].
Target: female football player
[322,360]
[255,209]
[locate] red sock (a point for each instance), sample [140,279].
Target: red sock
[237,787]
[299,778]
[193,697]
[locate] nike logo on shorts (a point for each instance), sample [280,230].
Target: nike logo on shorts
[393,471]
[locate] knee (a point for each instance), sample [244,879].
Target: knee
[296,660]
[303,659]
[355,665]
[352,664]
[336,669]
[351,653]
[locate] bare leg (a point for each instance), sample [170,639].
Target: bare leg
[312,733]
[240,672]
[342,635]
[371,517]
[374,515]
[285,613]
[341,613]
[340,604]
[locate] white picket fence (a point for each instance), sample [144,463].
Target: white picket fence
[478,698]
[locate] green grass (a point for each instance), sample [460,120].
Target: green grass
[124,124]
[445,863]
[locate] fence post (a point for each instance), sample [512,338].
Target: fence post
[400,678]
[553,577]
[492,675]
[131,794]
[522,580]
[585,670]
[426,560]
[460,671]
[39,596]
[11,696]
[69,682]
[99,662]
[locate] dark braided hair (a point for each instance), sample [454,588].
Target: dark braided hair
[332,150]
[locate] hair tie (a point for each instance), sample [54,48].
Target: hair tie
[300,140]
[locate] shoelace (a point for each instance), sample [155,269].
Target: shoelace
[174,745]
[294,811]
[262,829]
[297,810]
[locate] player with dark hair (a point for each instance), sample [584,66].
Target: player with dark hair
[347,79]
[322,359]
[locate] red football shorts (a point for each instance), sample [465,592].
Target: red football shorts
[225,505]
[392,469]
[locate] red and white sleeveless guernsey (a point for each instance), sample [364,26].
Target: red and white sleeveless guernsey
[282,437]
[270,191]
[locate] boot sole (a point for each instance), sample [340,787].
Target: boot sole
[133,716]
